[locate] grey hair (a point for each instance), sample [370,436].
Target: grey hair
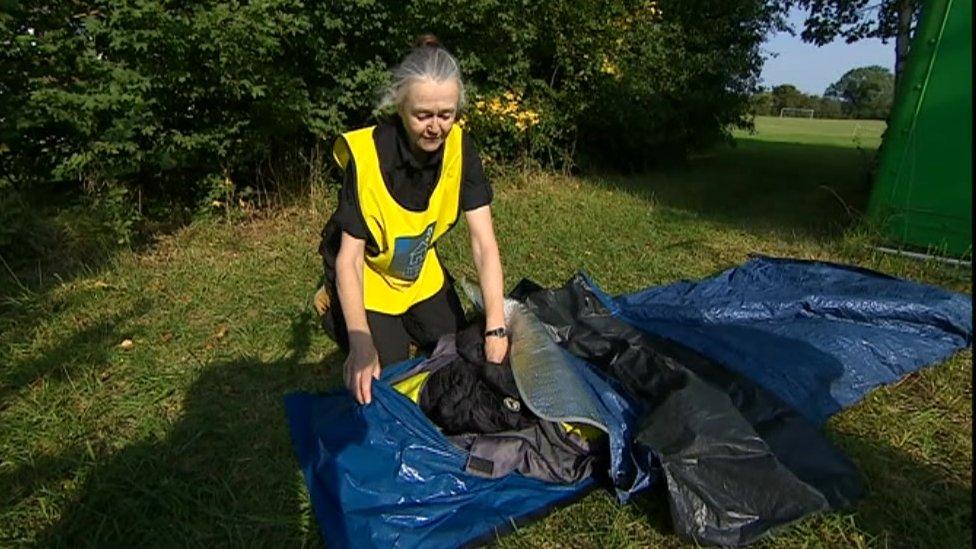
[426,62]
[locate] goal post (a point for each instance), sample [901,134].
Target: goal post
[795,112]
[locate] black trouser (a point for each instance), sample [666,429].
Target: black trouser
[422,324]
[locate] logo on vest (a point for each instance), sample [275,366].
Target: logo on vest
[409,253]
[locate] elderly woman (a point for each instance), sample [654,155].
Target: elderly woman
[407,180]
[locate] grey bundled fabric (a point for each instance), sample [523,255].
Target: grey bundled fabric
[543,450]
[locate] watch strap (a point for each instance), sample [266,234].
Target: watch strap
[497,332]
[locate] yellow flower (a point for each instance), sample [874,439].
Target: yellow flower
[507,106]
[608,67]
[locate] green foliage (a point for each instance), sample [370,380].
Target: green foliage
[867,92]
[827,107]
[761,104]
[853,20]
[139,94]
[788,96]
[167,102]
[684,80]
[115,208]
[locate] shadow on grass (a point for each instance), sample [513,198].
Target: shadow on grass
[64,240]
[69,245]
[908,504]
[89,346]
[225,474]
[814,190]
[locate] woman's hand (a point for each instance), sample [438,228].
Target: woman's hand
[495,349]
[362,366]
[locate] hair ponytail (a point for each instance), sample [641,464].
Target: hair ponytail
[429,40]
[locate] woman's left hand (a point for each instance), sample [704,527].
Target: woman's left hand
[495,349]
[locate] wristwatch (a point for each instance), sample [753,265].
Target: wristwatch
[497,332]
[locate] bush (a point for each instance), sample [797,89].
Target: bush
[169,101]
[14,217]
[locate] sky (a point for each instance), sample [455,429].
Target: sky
[811,68]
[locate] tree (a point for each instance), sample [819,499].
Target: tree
[857,19]
[867,92]
[827,107]
[787,96]
[761,104]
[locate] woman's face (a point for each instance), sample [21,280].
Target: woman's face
[428,112]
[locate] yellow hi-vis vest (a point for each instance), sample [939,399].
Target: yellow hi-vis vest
[406,270]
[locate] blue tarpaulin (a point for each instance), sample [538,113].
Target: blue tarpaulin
[382,475]
[817,335]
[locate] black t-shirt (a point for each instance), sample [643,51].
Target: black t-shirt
[410,182]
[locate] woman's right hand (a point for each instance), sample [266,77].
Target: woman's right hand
[362,366]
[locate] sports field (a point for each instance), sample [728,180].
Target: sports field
[141,392]
[841,133]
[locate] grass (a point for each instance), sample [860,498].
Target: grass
[817,131]
[179,439]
